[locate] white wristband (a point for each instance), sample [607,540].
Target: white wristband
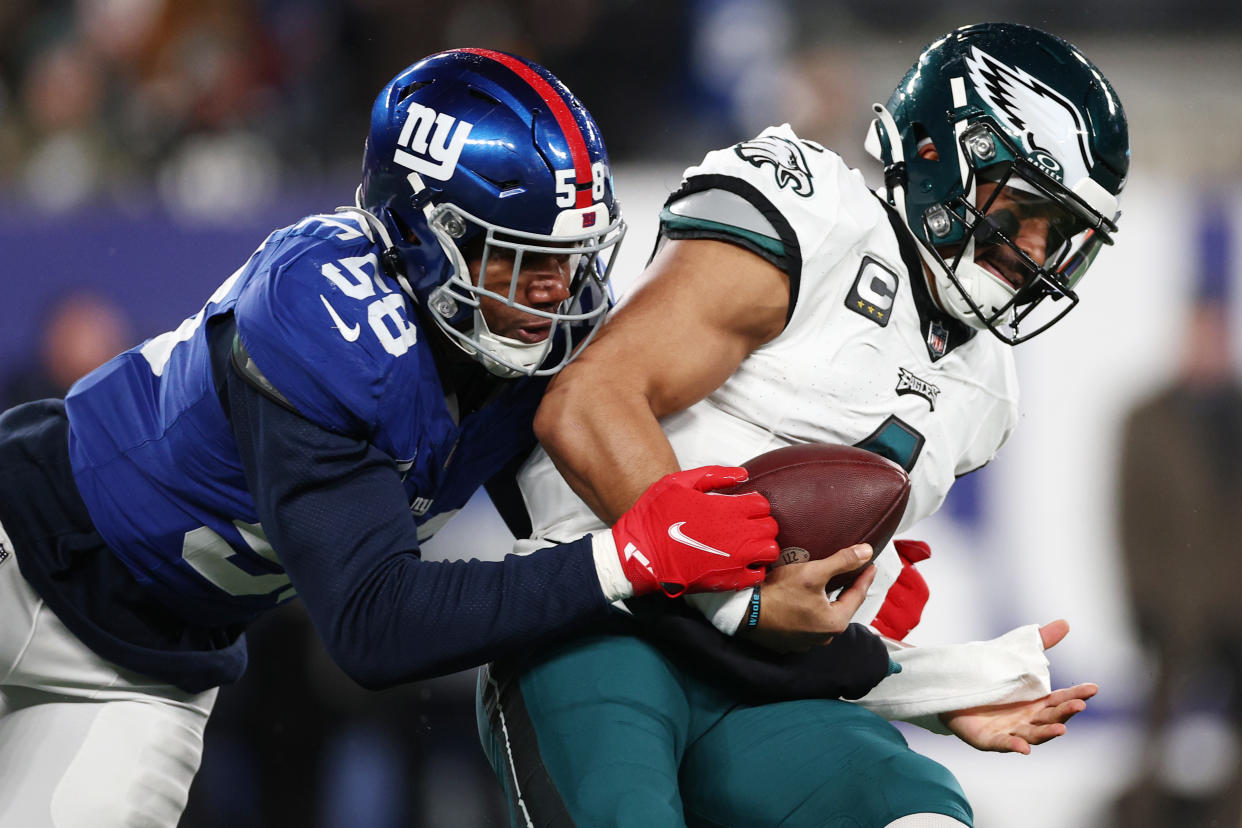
[726,610]
[608,568]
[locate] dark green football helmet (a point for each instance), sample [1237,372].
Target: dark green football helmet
[1005,151]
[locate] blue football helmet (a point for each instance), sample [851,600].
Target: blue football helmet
[1027,114]
[476,154]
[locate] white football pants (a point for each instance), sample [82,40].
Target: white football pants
[85,743]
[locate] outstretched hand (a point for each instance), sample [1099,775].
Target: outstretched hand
[1017,726]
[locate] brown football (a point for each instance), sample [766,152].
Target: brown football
[826,497]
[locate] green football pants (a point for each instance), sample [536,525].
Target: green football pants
[607,731]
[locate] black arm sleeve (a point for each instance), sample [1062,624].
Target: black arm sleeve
[853,663]
[335,512]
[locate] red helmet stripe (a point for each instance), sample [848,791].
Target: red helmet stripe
[560,110]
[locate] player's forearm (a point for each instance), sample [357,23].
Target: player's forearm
[408,619]
[335,512]
[609,448]
[349,546]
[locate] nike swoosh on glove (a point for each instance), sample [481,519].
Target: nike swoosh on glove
[903,604]
[682,537]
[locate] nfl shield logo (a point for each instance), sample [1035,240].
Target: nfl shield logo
[938,339]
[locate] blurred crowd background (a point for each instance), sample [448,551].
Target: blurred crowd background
[217,106]
[148,146]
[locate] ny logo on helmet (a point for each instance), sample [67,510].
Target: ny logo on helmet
[434,142]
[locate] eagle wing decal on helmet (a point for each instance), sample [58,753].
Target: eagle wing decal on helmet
[788,163]
[1051,127]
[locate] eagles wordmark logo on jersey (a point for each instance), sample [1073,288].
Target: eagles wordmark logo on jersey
[788,163]
[908,383]
[874,291]
[434,142]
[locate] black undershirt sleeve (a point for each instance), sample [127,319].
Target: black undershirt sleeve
[853,663]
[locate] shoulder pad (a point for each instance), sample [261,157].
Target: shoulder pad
[327,330]
[726,212]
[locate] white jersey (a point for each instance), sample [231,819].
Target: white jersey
[864,359]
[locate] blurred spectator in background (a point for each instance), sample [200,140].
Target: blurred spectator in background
[114,94]
[223,104]
[1181,500]
[219,104]
[81,332]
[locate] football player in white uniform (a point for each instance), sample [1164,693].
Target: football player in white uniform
[789,303]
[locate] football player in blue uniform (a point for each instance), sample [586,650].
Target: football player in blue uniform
[335,400]
[802,306]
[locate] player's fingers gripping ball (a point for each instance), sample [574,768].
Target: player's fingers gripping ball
[683,536]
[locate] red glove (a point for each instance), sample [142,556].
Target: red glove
[904,602]
[680,538]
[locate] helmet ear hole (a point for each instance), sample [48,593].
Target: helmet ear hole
[924,146]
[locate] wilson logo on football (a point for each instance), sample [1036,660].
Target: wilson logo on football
[430,143]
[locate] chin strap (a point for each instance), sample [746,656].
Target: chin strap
[976,284]
[884,144]
[390,258]
[524,357]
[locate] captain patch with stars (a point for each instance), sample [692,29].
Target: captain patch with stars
[874,291]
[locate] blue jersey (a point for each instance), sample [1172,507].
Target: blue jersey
[154,457]
[294,437]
